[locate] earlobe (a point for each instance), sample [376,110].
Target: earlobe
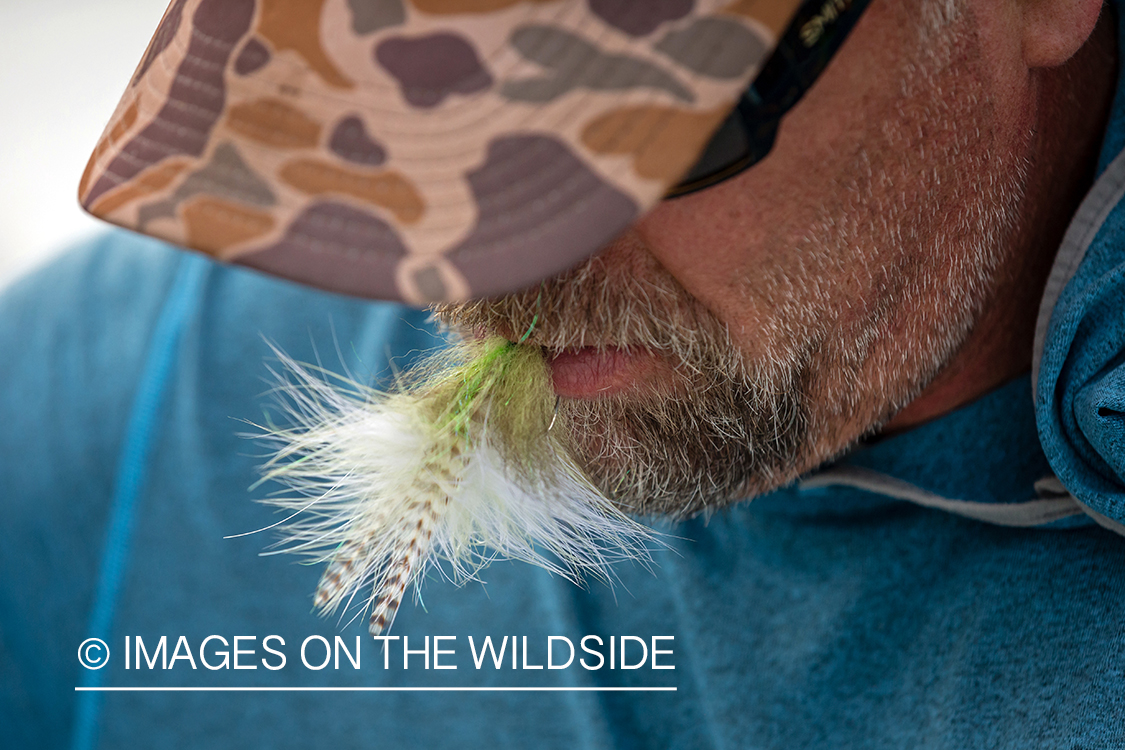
[1053,30]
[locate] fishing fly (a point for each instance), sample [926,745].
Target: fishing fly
[460,465]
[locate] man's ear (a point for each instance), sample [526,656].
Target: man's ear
[1053,30]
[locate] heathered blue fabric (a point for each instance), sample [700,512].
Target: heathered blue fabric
[825,618]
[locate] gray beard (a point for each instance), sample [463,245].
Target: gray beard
[684,455]
[725,431]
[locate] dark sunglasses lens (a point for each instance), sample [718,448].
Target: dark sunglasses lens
[736,145]
[747,135]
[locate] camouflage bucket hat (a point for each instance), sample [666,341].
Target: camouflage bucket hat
[419,150]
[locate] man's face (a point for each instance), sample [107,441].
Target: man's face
[737,337]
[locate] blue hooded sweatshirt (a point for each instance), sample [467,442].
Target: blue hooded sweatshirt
[961,585]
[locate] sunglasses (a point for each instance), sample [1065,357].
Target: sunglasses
[747,135]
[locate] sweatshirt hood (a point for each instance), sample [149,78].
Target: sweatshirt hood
[1078,370]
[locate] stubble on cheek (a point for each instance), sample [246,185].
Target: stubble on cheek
[872,281]
[935,205]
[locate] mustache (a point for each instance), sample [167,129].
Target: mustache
[620,298]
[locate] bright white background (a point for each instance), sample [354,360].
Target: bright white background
[63,66]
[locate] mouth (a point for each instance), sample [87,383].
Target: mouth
[590,373]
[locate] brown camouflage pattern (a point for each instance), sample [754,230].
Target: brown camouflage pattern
[420,150]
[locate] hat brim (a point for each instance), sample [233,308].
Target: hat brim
[426,151]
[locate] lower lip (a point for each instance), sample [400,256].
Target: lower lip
[592,373]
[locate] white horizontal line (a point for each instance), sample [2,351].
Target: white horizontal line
[374,689]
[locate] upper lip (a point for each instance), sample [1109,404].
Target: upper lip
[505,331]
